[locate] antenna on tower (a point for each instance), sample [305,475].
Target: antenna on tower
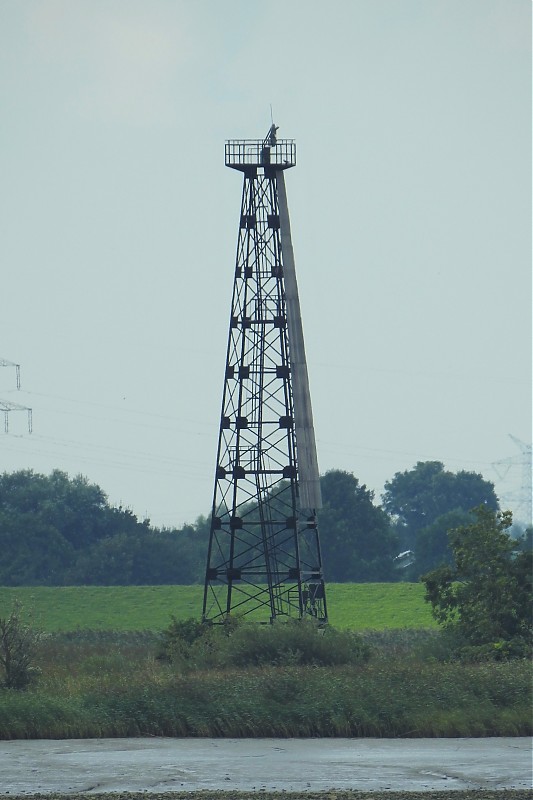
[6,406]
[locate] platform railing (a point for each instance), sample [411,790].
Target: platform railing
[242,153]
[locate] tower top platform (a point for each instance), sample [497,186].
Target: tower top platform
[242,154]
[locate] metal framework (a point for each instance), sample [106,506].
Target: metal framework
[6,406]
[264,551]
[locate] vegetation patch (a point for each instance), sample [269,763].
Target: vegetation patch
[292,679]
[484,600]
[190,645]
[105,685]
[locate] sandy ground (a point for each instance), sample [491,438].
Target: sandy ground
[159,765]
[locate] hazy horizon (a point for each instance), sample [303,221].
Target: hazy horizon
[411,220]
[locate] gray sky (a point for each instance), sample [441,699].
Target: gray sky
[411,218]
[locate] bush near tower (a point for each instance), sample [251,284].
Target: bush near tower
[484,599]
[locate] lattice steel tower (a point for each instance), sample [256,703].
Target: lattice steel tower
[264,551]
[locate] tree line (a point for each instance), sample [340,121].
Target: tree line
[56,530]
[60,531]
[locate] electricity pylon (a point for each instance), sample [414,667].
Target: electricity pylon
[6,405]
[523,506]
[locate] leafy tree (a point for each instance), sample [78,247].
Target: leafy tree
[356,538]
[486,597]
[44,522]
[72,506]
[432,544]
[56,530]
[143,557]
[76,508]
[33,552]
[417,498]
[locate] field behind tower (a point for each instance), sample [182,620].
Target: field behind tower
[358,607]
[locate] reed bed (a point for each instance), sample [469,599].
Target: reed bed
[99,684]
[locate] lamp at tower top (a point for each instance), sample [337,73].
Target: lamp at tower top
[243,154]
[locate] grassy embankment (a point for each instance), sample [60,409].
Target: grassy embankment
[375,606]
[107,682]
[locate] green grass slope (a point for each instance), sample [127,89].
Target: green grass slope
[377,606]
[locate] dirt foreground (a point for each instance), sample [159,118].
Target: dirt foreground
[235,769]
[355,795]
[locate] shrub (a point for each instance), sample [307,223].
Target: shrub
[18,643]
[178,639]
[241,644]
[294,643]
[485,598]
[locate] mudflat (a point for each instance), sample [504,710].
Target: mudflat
[236,768]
